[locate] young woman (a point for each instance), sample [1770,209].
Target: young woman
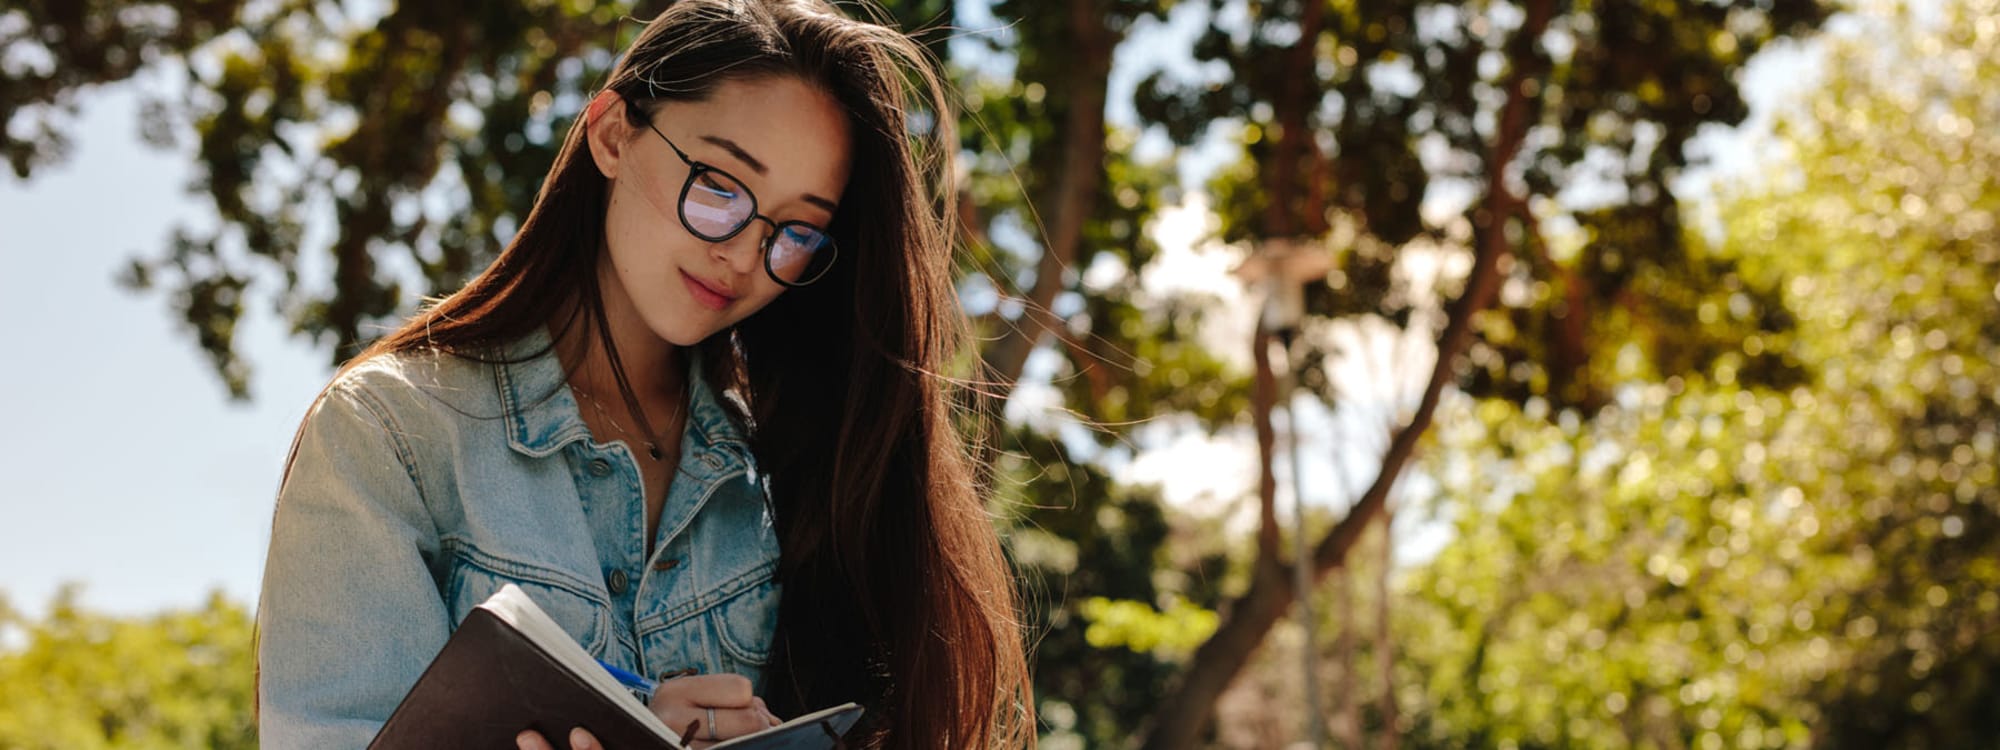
[694,410]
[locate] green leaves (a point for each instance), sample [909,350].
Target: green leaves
[178,679]
[1170,632]
[1077,537]
[1396,106]
[414,140]
[57,49]
[1726,558]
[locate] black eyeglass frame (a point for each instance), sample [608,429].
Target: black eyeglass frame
[695,171]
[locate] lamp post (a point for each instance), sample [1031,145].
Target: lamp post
[1281,269]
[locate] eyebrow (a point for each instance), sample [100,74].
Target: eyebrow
[762,171]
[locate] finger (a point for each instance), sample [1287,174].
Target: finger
[581,739]
[729,722]
[769,717]
[530,739]
[718,690]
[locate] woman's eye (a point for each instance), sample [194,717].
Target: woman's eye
[716,187]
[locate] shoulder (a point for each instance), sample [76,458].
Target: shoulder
[411,394]
[409,410]
[401,379]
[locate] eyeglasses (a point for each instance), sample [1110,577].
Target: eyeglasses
[716,206]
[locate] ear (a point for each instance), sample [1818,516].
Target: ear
[608,130]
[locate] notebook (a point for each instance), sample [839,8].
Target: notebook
[509,667]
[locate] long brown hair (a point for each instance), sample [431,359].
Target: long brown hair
[896,594]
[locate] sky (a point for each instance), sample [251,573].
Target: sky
[131,473]
[129,469]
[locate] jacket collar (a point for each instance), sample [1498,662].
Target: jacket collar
[541,412]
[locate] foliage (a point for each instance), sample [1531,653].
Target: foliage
[1400,104]
[1893,184]
[56,50]
[1173,630]
[177,679]
[1714,562]
[1353,113]
[1079,537]
[304,112]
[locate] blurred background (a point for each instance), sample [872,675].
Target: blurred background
[1620,373]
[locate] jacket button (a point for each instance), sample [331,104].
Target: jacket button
[600,467]
[618,581]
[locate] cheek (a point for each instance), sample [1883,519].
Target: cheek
[657,199]
[636,231]
[642,203]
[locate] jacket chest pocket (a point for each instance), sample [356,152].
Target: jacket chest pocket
[718,607]
[727,630]
[475,575]
[744,623]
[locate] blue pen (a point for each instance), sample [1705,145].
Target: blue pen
[641,687]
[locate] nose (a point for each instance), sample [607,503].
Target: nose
[745,251]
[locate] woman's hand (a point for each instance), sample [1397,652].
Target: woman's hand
[721,703]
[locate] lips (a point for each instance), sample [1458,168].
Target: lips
[708,294]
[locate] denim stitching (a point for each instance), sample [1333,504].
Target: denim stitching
[728,641]
[708,494]
[551,578]
[383,417]
[503,386]
[715,597]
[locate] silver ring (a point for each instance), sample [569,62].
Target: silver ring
[711,725]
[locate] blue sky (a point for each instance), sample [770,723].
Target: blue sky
[128,469]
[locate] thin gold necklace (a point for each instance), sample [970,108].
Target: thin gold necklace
[652,443]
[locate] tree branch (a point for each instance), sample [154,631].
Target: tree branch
[1188,709]
[1069,200]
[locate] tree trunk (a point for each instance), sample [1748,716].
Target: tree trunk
[1347,724]
[1294,209]
[1182,717]
[1187,710]
[1068,201]
[1264,401]
[1268,573]
[1385,646]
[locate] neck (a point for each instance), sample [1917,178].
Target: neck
[653,366]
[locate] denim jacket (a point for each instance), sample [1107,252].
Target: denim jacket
[424,482]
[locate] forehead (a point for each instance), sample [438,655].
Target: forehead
[795,130]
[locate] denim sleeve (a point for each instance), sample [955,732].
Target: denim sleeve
[349,615]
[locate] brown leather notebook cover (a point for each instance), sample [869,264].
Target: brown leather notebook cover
[509,667]
[490,682]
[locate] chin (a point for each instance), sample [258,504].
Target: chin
[684,337]
[677,329]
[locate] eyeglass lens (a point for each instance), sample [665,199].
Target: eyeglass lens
[717,206]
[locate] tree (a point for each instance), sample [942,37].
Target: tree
[1713,560]
[1340,104]
[57,50]
[87,680]
[1098,544]
[423,134]
[1889,180]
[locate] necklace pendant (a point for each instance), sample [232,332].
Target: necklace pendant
[653,449]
